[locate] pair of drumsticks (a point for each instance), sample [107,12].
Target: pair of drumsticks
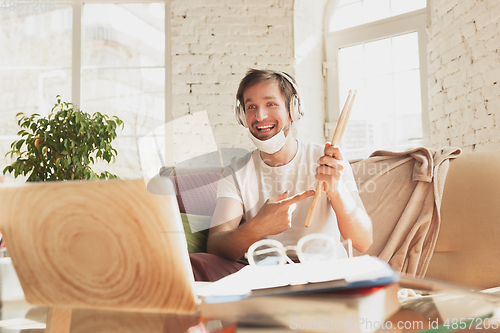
[337,138]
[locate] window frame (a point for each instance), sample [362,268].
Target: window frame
[414,21]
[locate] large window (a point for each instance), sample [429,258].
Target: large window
[351,13]
[378,47]
[105,57]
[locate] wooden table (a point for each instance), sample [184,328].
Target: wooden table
[417,314]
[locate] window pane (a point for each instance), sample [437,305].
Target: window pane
[380,111]
[405,6]
[27,91]
[35,66]
[359,130]
[405,44]
[387,112]
[28,37]
[359,107]
[406,62]
[124,73]
[137,96]
[378,57]
[347,16]
[408,103]
[405,51]
[351,54]
[374,10]
[351,13]
[378,49]
[123,35]
[354,71]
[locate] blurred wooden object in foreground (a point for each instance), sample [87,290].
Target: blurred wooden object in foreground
[108,245]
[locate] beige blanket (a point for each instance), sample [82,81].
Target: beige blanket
[402,193]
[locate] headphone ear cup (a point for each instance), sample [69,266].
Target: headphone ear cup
[240,114]
[296,111]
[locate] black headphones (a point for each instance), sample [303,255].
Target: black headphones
[296,111]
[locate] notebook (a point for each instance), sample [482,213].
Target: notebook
[312,277]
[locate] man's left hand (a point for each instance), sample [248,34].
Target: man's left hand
[330,168]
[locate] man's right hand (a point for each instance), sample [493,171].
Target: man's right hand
[275,216]
[230,239]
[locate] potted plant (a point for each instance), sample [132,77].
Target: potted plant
[63,145]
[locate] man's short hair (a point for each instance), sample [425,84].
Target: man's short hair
[254,76]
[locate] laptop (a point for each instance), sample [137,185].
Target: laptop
[109,245]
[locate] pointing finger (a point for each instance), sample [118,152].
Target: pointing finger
[298,197]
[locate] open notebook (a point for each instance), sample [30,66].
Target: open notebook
[311,277]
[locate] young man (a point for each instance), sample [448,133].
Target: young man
[267,193]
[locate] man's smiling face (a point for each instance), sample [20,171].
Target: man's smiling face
[265,110]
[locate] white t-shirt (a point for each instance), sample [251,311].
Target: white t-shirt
[251,181]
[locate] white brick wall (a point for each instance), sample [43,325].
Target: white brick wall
[464,74]
[213,44]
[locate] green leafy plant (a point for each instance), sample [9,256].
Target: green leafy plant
[63,145]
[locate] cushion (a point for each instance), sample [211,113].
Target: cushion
[196,193]
[468,249]
[197,241]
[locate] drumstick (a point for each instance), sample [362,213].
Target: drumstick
[337,138]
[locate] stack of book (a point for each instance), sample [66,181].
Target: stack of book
[356,295]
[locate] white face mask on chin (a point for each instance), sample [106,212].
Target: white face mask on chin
[270,146]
